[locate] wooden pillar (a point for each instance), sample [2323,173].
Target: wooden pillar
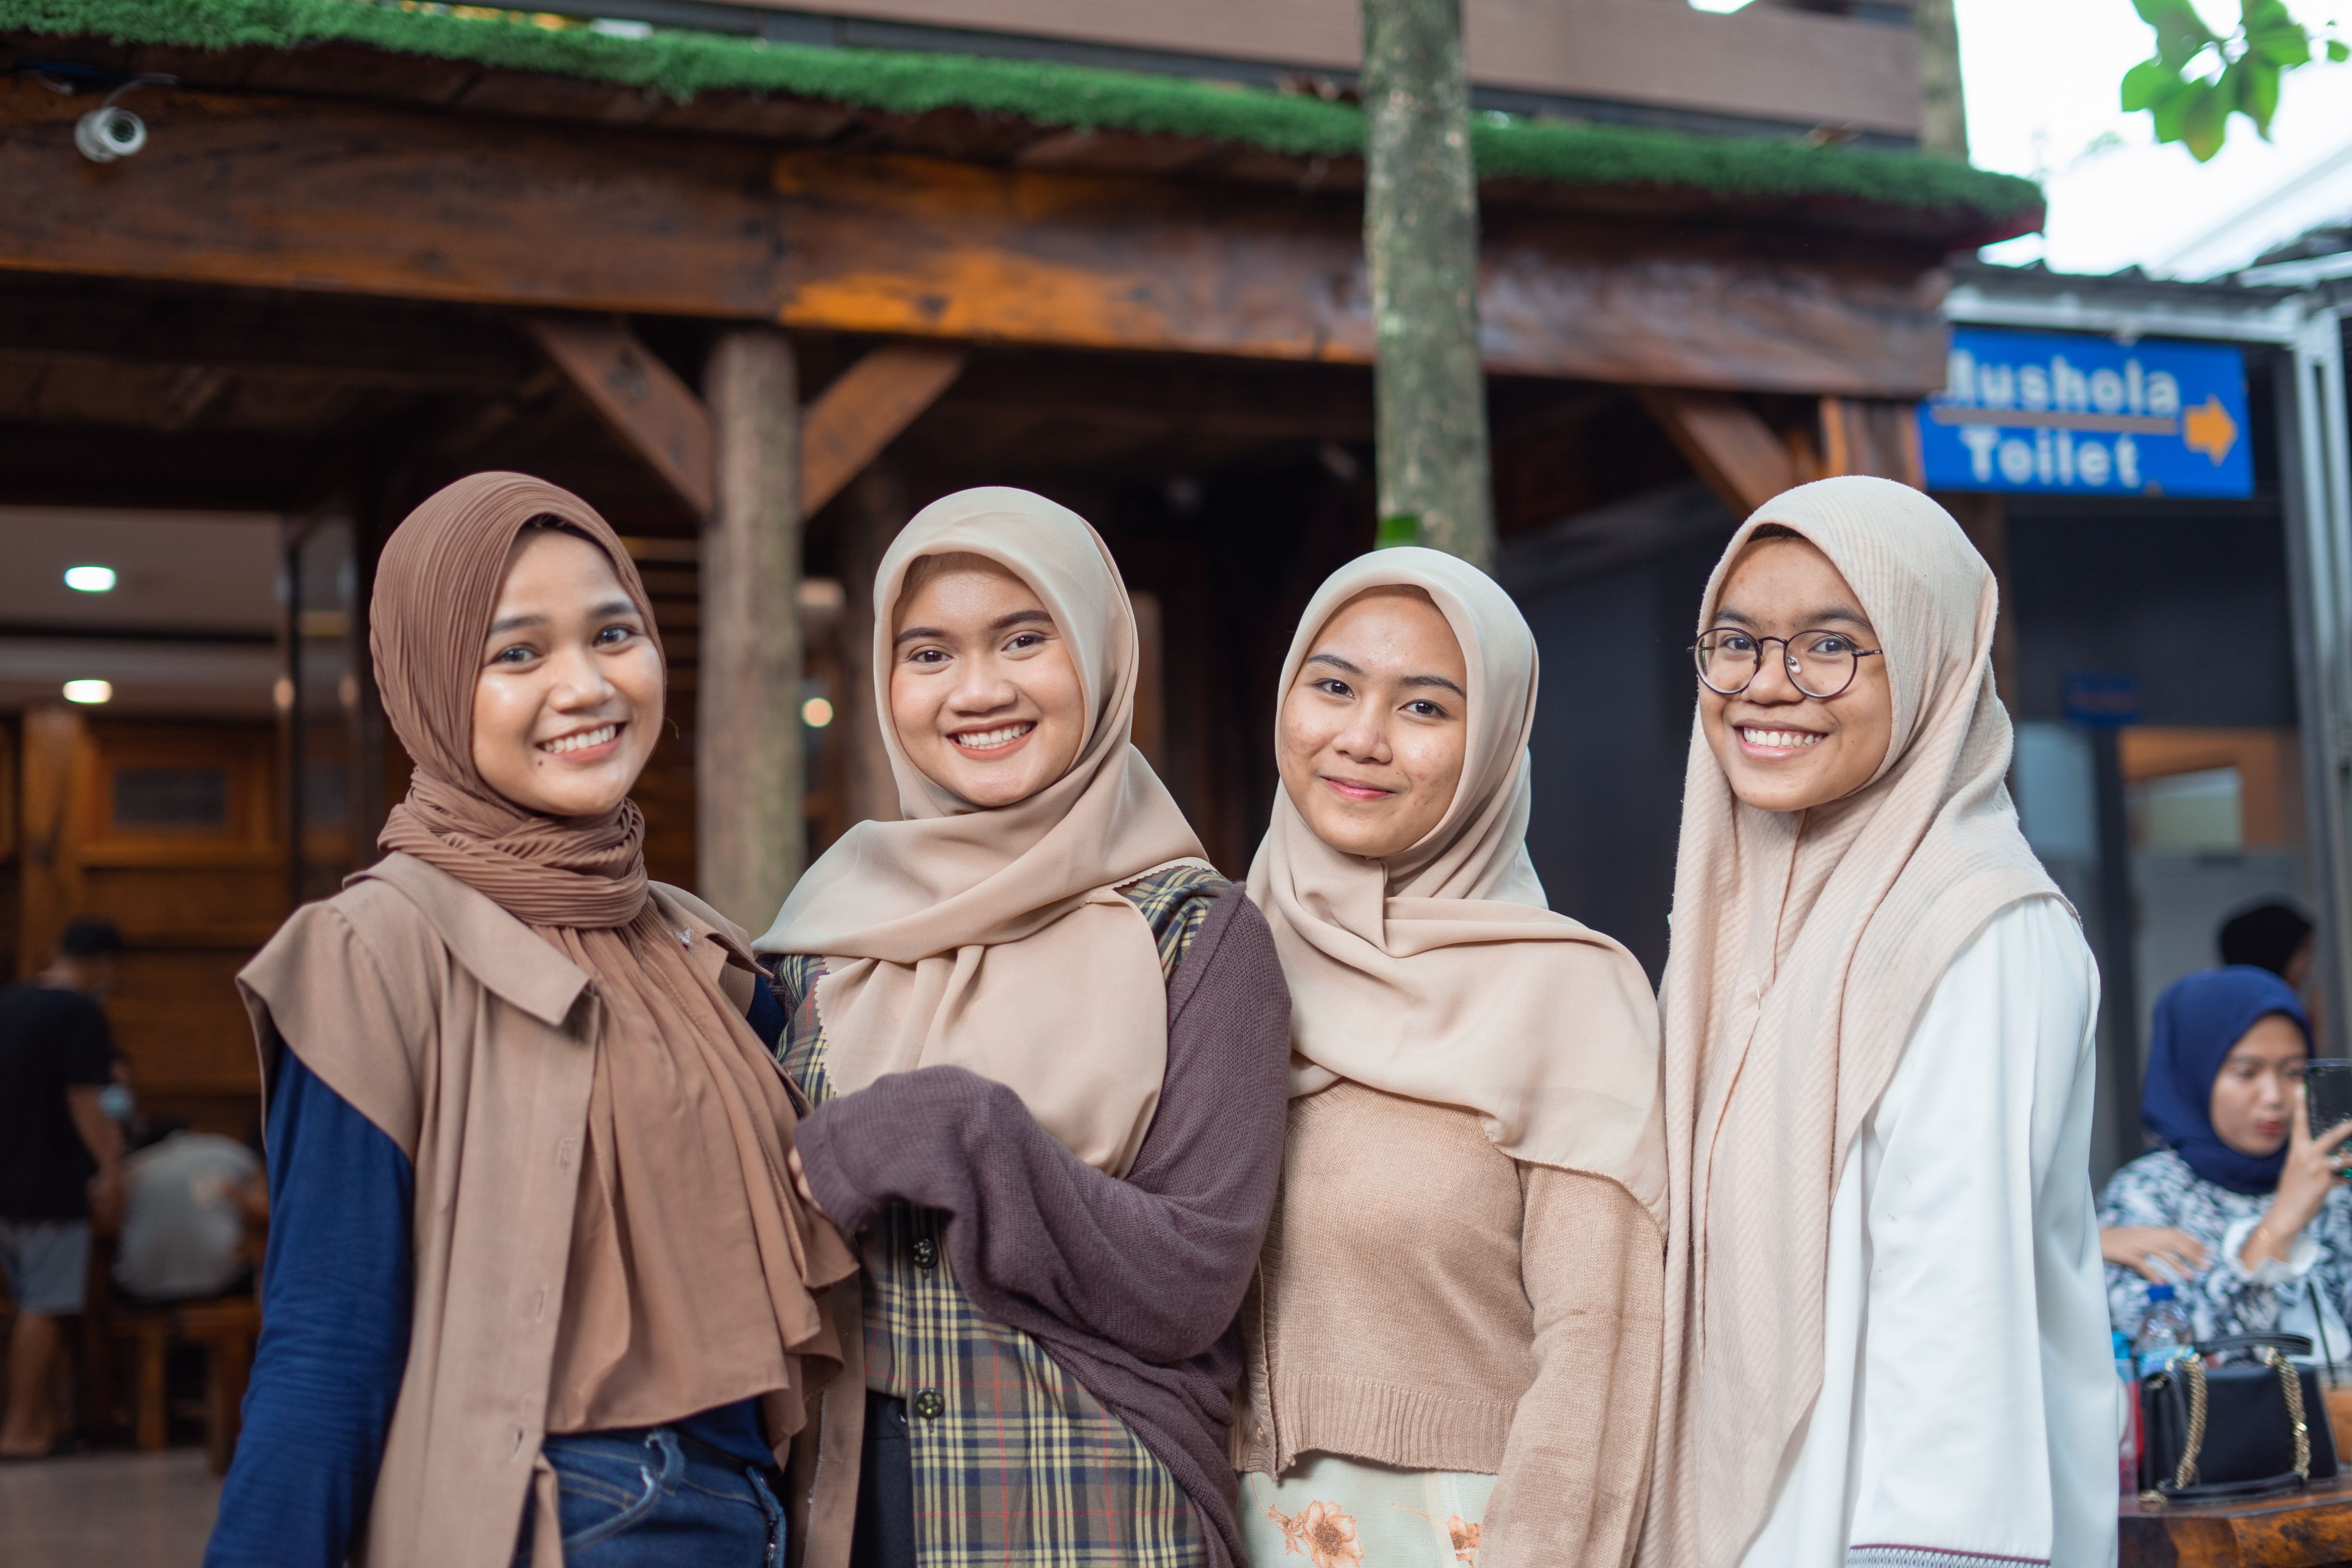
[1421,247]
[751,837]
[876,510]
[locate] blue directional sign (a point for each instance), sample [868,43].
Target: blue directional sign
[2062,414]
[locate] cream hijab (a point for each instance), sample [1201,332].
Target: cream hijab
[1805,947]
[1440,974]
[995,939]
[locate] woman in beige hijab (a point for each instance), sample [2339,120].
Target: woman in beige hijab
[1045,1042]
[1888,1333]
[534,1256]
[1454,1349]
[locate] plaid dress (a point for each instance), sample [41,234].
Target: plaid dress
[1015,1465]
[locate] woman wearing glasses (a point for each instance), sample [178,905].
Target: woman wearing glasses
[1887,1336]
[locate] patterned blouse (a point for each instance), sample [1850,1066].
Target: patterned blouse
[2160,1189]
[1015,1465]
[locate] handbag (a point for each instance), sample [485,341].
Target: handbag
[2235,1430]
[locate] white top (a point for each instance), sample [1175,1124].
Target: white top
[1969,1408]
[182,1231]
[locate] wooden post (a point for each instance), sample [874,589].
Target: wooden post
[876,510]
[1982,518]
[750,836]
[55,739]
[1421,242]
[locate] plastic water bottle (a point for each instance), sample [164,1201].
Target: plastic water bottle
[2166,1334]
[2127,1385]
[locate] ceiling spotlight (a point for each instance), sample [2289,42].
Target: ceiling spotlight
[90,690]
[816,713]
[91,579]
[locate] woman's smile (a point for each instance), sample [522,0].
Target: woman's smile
[591,745]
[1767,744]
[996,742]
[1348,789]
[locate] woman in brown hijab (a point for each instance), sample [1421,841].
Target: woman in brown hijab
[536,1266]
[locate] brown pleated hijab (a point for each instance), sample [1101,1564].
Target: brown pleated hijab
[1805,947]
[692,1262]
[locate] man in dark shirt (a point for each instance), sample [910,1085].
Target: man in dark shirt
[60,1159]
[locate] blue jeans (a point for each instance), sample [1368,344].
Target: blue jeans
[651,1498]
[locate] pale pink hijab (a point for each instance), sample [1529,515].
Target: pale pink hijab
[1440,974]
[1805,946]
[995,939]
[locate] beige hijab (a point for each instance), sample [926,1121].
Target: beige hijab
[1805,947]
[995,939]
[692,1262]
[1440,974]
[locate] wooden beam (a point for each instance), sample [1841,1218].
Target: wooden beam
[865,407]
[638,396]
[1872,435]
[355,197]
[750,839]
[1729,443]
[875,509]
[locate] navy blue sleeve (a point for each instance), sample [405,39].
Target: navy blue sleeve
[336,1297]
[765,1014]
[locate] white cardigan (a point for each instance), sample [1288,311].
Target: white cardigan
[1969,1405]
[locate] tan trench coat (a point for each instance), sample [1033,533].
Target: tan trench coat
[469,1040]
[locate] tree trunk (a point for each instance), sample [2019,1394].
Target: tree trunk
[875,510]
[1421,240]
[750,835]
[1943,114]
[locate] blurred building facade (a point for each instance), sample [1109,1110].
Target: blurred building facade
[764,280]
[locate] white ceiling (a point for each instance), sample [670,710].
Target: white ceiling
[207,573]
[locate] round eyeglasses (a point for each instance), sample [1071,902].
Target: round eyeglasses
[1820,664]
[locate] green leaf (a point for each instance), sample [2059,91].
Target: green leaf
[2170,113]
[2258,93]
[2338,51]
[1403,529]
[2145,84]
[2181,33]
[2287,45]
[2205,121]
[2259,15]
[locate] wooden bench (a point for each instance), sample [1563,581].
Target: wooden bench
[224,1330]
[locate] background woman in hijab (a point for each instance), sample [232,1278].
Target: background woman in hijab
[1453,1357]
[1887,1340]
[2240,1208]
[535,1261]
[1045,1041]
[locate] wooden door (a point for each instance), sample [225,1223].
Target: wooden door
[170,831]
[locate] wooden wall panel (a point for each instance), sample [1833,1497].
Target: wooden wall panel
[1802,66]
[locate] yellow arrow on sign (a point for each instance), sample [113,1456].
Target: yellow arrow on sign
[2210,429]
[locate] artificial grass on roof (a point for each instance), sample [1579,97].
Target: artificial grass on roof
[681,64]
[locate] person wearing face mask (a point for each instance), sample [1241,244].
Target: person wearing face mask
[538,1289]
[1887,1337]
[1046,1044]
[2242,1209]
[1455,1344]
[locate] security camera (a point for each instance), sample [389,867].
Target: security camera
[110,133]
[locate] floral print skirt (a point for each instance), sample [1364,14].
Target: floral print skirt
[1332,1512]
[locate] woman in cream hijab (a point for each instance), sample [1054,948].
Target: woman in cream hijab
[1046,1044]
[1887,1332]
[1454,1350]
